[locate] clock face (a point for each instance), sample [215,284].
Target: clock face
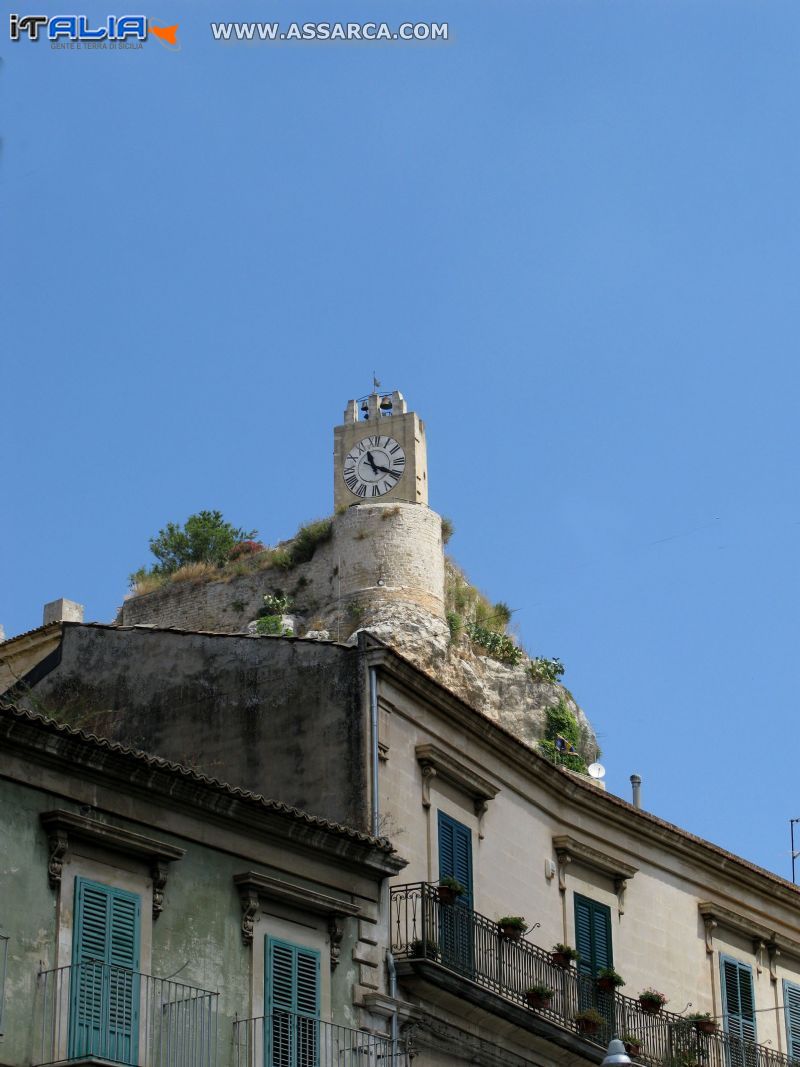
[373,466]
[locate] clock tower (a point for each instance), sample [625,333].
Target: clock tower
[379,453]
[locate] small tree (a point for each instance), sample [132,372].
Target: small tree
[204,538]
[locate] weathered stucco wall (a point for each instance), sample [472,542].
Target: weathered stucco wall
[280,717]
[198,936]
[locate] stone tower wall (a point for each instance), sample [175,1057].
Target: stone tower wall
[391,552]
[397,544]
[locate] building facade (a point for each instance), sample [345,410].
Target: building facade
[150,915]
[457,946]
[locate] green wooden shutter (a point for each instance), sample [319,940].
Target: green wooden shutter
[291,1022]
[592,935]
[738,1000]
[104,994]
[455,854]
[791,1011]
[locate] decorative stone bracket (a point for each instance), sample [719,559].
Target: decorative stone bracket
[569,848]
[763,939]
[254,887]
[434,761]
[63,827]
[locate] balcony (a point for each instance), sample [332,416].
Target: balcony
[464,953]
[284,1039]
[93,1013]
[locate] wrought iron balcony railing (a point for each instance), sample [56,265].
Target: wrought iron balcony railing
[122,1016]
[283,1039]
[461,941]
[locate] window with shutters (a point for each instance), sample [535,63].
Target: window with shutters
[791,1012]
[104,985]
[455,920]
[292,984]
[593,942]
[592,935]
[739,1011]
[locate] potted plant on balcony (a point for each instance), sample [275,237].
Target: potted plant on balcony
[608,980]
[652,1001]
[633,1044]
[512,926]
[589,1021]
[563,955]
[426,949]
[449,890]
[539,996]
[702,1022]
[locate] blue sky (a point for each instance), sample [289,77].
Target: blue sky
[569,235]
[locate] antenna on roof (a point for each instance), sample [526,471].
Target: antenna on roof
[596,770]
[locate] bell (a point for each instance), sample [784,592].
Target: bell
[386,403]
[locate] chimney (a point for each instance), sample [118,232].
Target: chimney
[636,783]
[63,611]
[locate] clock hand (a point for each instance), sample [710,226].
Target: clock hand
[385,470]
[371,462]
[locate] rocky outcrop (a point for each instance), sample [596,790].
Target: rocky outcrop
[382,569]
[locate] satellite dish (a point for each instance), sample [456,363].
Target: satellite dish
[596,770]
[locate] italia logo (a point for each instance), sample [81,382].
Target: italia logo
[79,28]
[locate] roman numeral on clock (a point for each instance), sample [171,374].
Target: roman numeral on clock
[362,490]
[351,482]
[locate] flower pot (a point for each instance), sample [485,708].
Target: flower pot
[537,1001]
[705,1026]
[651,1007]
[447,895]
[633,1048]
[511,933]
[606,985]
[560,960]
[588,1026]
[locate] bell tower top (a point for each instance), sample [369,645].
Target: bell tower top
[375,406]
[380,452]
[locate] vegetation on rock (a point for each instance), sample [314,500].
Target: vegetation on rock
[562,723]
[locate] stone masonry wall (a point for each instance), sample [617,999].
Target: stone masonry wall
[396,545]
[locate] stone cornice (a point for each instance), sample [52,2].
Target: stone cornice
[63,826]
[253,888]
[763,937]
[566,788]
[592,857]
[569,848]
[269,888]
[436,762]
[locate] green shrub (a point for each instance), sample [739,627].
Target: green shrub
[572,760]
[448,529]
[497,645]
[275,604]
[308,538]
[204,538]
[562,723]
[272,625]
[546,670]
[455,624]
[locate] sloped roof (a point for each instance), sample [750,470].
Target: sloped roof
[41,722]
